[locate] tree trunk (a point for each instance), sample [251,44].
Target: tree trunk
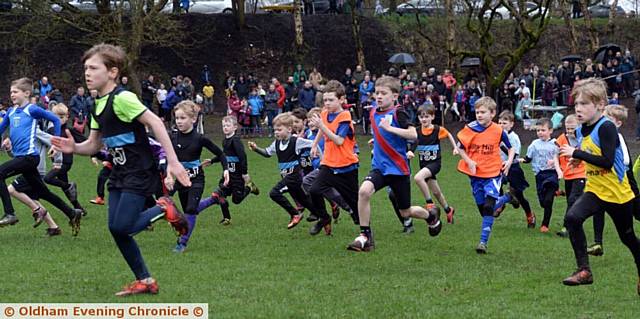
[565,9]
[134,42]
[593,33]
[451,33]
[176,6]
[611,26]
[238,11]
[355,31]
[393,5]
[297,22]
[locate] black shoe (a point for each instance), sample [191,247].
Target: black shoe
[53,231]
[361,244]
[435,226]
[319,226]
[38,216]
[75,222]
[8,220]
[514,201]
[312,218]
[408,229]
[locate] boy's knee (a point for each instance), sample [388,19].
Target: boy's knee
[275,193]
[364,193]
[405,212]
[572,219]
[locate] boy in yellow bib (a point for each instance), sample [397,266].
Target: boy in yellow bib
[607,188]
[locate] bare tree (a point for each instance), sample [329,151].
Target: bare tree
[238,11]
[451,33]
[593,33]
[297,24]
[565,9]
[355,31]
[611,26]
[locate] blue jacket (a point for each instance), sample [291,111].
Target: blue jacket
[364,89]
[79,105]
[172,100]
[21,122]
[307,98]
[256,104]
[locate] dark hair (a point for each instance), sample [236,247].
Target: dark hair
[300,113]
[427,109]
[546,122]
[336,87]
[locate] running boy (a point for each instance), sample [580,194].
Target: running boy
[118,120]
[240,184]
[480,151]
[21,121]
[616,114]
[428,148]
[543,156]
[390,165]
[607,188]
[339,163]
[574,175]
[288,148]
[188,145]
[516,180]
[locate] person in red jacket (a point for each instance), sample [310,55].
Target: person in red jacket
[280,90]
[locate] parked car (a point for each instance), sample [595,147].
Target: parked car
[5,5]
[204,6]
[89,6]
[602,11]
[503,13]
[426,7]
[279,6]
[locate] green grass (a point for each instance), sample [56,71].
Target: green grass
[256,268]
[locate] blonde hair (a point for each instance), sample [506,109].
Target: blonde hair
[389,82]
[314,111]
[23,84]
[507,115]
[618,112]
[592,89]
[113,56]
[571,118]
[60,109]
[335,87]
[189,108]
[231,119]
[284,119]
[487,102]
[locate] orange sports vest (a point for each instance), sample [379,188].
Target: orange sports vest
[343,155]
[569,172]
[484,149]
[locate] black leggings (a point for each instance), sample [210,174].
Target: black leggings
[588,205]
[59,177]
[103,176]
[524,203]
[190,198]
[345,183]
[292,183]
[28,167]
[546,202]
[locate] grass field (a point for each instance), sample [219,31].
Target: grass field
[256,268]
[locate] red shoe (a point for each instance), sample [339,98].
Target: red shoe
[295,220]
[139,287]
[580,277]
[450,215]
[531,220]
[544,229]
[221,200]
[97,201]
[173,215]
[335,211]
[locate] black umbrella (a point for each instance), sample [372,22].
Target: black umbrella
[470,63]
[571,58]
[602,51]
[402,58]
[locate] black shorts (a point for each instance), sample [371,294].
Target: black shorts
[235,186]
[434,167]
[545,179]
[21,185]
[516,178]
[399,184]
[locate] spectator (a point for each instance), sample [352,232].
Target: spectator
[626,69]
[298,74]
[319,94]
[124,83]
[207,93]
[161,95]
[537,85]
[56,95]
[346,79]
[282,95]
[271,105]
[291,95]
[44,86]
[188,88]
[205,75]
[79,105]
[366,90]
[234,105]
[358,74]
[576,11]
[242,87]
[256,106]
[307,96]
[549,90]
[450,83]
[148,91]
[315,77]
